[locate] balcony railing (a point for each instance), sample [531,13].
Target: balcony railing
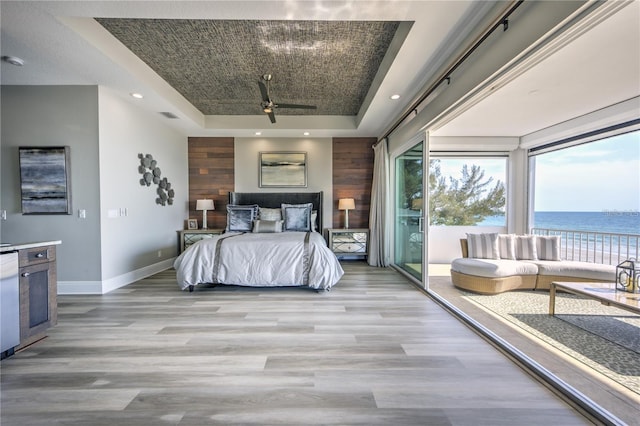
[595,247]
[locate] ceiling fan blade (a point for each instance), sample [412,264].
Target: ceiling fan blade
[296,106]
[264,91]
[272,117]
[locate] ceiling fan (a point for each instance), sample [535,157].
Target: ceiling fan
[267,104]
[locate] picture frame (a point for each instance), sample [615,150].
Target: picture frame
[45,179]
[283,169]
[192,224]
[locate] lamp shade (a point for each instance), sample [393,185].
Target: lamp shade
[346,204]
[204,205]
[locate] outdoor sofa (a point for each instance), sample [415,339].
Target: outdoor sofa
[494,263]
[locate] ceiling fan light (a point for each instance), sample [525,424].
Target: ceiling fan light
[267,110]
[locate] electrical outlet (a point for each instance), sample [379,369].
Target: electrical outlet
[4,215]
[82,214]
[159,253]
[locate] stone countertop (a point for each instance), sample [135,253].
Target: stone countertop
[21,246]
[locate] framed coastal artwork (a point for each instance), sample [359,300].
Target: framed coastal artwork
[283,169]
[45,180]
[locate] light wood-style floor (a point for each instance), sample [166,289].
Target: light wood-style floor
[373,351]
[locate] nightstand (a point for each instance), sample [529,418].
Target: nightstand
[349,243]
[188,237]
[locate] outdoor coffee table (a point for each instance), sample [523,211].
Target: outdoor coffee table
[606,293]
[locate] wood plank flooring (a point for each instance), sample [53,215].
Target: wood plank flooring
[372,351]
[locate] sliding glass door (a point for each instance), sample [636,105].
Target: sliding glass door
[409,208]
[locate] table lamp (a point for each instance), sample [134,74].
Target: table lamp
[204,205]
[346,204]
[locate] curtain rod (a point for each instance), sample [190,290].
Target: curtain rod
[503,21]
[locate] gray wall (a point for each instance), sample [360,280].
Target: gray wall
[105,132]
[48,116]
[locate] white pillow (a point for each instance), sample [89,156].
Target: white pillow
[548,247]
[483,246]
[270,214]
[507,246]
[526,247]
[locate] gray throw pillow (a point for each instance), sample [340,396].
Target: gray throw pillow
[267,226]
[297,217]
[240,218]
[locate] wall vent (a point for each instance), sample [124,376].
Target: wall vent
[168,114]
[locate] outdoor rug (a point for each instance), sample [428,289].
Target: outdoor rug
[605,338]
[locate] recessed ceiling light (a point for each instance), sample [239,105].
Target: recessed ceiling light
[258,133]
[394,97]
[137,95]
[13,60]
[306,133]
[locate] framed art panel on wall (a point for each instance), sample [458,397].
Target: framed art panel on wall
[45,180]
[283,169]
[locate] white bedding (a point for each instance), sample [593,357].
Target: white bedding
[260,260]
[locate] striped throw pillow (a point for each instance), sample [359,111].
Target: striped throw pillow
[526,247]
[507,246]
[483,246]
[548,247]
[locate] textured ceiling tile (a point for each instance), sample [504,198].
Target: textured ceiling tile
[217,64]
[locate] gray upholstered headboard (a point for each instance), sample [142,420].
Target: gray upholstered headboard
[273,200]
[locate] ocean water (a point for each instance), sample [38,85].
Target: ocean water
[614,221]
[608,249]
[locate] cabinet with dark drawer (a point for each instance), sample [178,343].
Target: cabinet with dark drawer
[38,292]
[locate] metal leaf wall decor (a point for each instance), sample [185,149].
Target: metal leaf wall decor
[151,173]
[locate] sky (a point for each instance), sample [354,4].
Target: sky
[597,176]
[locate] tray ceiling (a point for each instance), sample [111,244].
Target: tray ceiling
[216,64]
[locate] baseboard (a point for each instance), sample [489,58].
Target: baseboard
[105,286]
[79,287]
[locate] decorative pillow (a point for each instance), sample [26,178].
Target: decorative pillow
[526,247]
[483,246]
[270,214]
[296,217]
[314,220]
[240,218]
[506,246]
[548,247]
[267,226]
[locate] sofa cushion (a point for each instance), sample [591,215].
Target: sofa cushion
[483,246]
[493,268]
[548,247]
[526,247]
[507,246]
[569,268]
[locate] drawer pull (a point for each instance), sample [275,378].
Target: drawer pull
[40,255]
[26,274]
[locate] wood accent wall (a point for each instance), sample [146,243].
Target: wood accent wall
[352,177]
[211,175]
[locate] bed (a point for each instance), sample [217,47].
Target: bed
[258,250]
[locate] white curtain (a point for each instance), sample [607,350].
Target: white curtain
[379,240]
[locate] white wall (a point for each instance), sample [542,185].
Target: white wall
[319,166]
[444,241]
[138,235]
